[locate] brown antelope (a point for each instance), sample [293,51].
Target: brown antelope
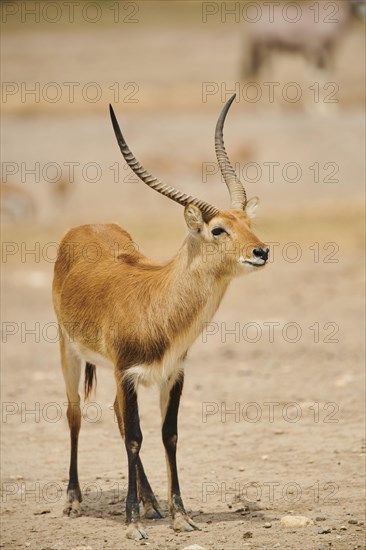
[148,315]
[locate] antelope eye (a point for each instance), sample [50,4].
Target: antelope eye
[217,231]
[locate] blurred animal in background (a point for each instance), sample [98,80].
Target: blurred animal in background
[359,8]
[61,190]
[17,204]
[312,29]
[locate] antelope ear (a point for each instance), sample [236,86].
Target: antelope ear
[251,207]
[194,218]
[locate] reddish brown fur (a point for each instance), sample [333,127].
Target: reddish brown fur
[127,307]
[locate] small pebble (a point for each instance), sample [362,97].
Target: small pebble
[353,521]
[343,528]
[247,535]
[324,531]
[267,525]
[320,518]
[295,521]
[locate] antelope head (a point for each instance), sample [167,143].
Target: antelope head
[227,243]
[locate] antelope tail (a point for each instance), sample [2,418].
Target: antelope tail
[90,379]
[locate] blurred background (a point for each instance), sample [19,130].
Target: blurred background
[296,134]
[168,67]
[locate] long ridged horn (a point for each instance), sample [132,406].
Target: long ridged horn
[208,211]
[237,192]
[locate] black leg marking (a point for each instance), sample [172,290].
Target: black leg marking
[72,508]
[73,472]
[145,493]
[133,441]
[127,397]
[170,437]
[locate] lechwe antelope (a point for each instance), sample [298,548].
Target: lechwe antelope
[148,315]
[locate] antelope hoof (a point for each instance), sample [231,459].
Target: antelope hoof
[184,523]
[72,509]
[135,531]
[152,510]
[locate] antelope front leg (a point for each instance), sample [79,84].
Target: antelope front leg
[151,505]
[169,403]
[127,401]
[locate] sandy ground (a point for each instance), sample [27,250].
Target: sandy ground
[272,417]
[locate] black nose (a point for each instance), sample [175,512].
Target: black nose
[260,253]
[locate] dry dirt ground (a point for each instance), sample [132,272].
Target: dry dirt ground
[272,417]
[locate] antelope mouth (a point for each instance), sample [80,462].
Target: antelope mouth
[254,263]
